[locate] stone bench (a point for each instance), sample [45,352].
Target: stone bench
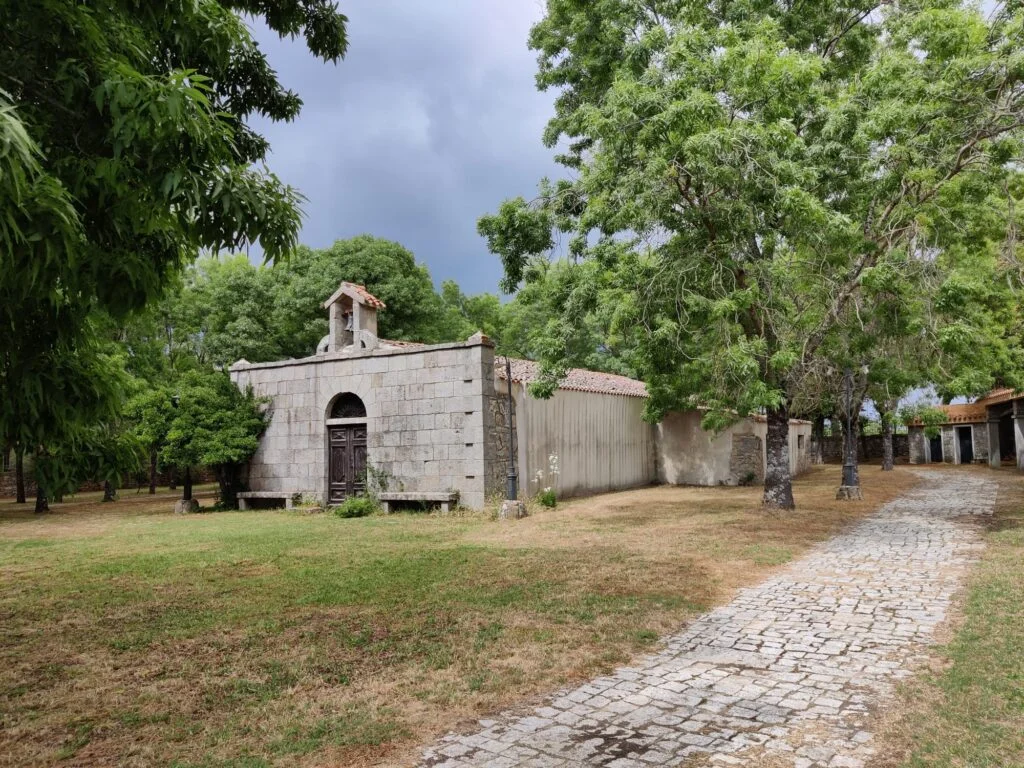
[447,499]
[245,496]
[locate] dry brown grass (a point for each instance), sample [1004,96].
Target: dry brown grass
[133,637]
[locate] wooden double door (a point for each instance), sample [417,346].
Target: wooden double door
[346,462]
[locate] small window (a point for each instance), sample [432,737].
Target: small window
[5,461]
[799,442]
[348,406]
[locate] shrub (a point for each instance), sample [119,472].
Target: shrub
[547,497]
[357,506]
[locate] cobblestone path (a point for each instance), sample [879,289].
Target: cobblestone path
[786,674]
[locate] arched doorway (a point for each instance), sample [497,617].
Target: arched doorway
[346,448]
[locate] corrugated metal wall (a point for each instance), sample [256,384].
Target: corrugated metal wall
[601,441]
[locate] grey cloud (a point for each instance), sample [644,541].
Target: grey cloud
[431,120]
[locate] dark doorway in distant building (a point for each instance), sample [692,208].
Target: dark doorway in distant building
[935,449]
[965,435]
[1007,440]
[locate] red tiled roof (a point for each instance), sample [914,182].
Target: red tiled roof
[997,396]
[577,379]
[965,413]
[368,298]
[972,413]
[357,293]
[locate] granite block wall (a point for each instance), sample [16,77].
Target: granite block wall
[746,462]
[980,438]
[948,445]
[427,416]
[917,445]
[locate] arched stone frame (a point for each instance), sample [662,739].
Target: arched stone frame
[346,405]
[346,446]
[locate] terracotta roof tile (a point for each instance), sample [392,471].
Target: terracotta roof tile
[577,379]
[368,298]
[357,293]
[997,396]
[965,413]
[973,413]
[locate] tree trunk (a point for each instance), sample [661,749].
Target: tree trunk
[850,451]
[816,453]
[887,452]
[187,484]
[152,471]
[172,478]
[227,479]
[108,491]
[41,503]
[778,485]
[19,475]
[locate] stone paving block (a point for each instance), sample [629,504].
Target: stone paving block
[810,650]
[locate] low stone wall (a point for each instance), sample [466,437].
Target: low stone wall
[869,447]
[746,463]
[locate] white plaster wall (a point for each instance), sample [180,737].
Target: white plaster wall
[690,455]
[425,417]
[601,441]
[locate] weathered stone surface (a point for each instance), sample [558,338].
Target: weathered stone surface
[746,463]
[849,493]
[918,445]
[432,418]
[512,510]
[980,437]
[948,444]
[787,672]
[186,506]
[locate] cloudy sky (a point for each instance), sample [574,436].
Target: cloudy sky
[431,120]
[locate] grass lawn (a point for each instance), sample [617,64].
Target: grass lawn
[132,636]
[968,710]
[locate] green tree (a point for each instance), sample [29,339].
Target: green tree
[465,315]
[150,414]
[387,269]
[125,149]
[923,414]
[216,425]
[534,318]
[742,167]
[978,305]
[104,452]
[226,310]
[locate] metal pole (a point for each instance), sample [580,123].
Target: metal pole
[513,478]
[849,470]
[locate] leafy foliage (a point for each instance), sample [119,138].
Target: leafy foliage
[547,498]
[356,506]
[105,453]
[924,414]
[748,175]
[125,149]
[217,425]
